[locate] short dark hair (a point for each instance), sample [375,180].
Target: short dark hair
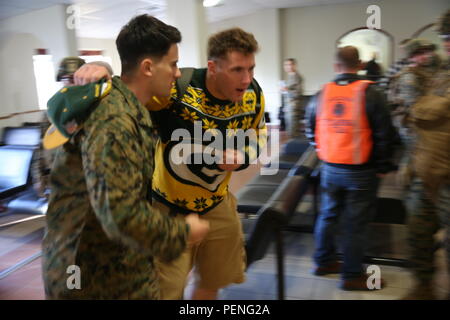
[293,60]
[144,36]
[234,39]
[348,56]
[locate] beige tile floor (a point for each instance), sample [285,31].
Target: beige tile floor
[302,285]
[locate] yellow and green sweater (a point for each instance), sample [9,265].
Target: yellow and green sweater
[184,180]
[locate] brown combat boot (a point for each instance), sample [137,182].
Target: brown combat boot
[359,283]
[332,267]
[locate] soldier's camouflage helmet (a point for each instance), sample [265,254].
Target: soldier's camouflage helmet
[68,66]
[443,25]
[414,46]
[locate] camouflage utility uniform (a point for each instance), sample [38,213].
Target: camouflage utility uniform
[413,82]
[410,84]
[42,163]
[100,216]
[295,111]
[430,194]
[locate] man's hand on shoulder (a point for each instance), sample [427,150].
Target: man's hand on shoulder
[91,72]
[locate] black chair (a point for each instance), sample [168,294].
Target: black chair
[29,136]
[290,154]
[258,191]
[15,166]
[275,214]
[387,234]
[268,180]
[16,154]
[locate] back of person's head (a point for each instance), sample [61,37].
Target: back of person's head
[347,58]
[235,39]
[144,36]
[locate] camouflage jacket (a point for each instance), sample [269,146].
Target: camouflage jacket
[42,162]
[294,85]
[431,120]
[413,82]
[100,217]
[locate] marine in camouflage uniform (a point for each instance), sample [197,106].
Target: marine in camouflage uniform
[41,164]
[429,203]
[43,159]
[295,109]
[412,84]
[100,216]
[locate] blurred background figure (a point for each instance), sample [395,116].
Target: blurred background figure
[42,162]
[394,69]
[428,168]
[67,68]
[293,107]
[373,69]
[281,111]
[353,138]
[411,83]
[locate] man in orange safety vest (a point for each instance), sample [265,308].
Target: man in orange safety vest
[351,128]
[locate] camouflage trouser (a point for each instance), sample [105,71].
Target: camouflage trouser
[425,219]
[294,116]
[40,171]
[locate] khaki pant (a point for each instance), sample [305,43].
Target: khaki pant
[219,260]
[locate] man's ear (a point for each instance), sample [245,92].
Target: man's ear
[146,67]
[337,67]
[360,65]
[212,67]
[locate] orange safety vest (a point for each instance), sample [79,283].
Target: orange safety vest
[343,134]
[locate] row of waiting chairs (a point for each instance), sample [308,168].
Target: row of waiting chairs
[269,205]
[18,147]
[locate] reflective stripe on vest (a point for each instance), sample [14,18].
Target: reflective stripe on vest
[343,133]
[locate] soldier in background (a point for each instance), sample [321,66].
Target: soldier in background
[412,84]
[294,110]
[373,69]
[43,159]
[67,68]
[353,138]
[429,170]
[394,69]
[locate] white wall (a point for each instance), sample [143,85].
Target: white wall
[19,37]
[370,42]
[109,49]
[192,49]
[264,25]
[309,33]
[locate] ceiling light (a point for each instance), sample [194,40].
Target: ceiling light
[212,3]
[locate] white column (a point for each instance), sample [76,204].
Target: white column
[189,17]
